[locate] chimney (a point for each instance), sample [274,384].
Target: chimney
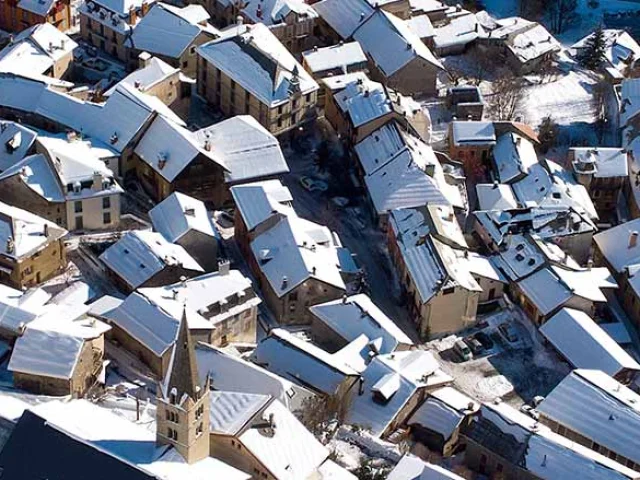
[50,47]
[45,231]
[360,386]
[143,59]
[97,181]
[633,239]
[495,184]
[313,270]
[174,293]
[272,421]
[590,264]
[224,266]
[137,84]
[63,43]
[10,245]
[285,282]
[190,212]
[145,8]
[207,145]
[315,48]
[344,299]
[133,16]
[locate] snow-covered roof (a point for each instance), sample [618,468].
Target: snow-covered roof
[546,454]
[38,174]
[46,353]
[602,162]
[15,141]
[629,100]
[35,50]
[414,468]
[147,77]
[253,57]
[394,378]
[514,156]
[255,203]
[274,12]
[168,148]
[38,7]
[19,308]
[231,373]
[246,149]
[364,101]
[437,417]
[336,56]
[185,25]
[199,294]
[295,250]
[344,16]
[139,255]
[229,412]
[459,30]
[25,232]
[473,133]
[584,344]
[288,451]
[130,442]
[338,82]
[114,123]
[486,267]
[330,470]
[302,362]
[531,43]
[586,283]
[119,6]
[391,44]
[620,48]
[357,315]
[401,183]
[595,405]
[545,291]
[496,196]
[179,214]
[617,247]
[421,26]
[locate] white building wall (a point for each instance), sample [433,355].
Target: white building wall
[93,212]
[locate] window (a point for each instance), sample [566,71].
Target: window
[192,50]
[77,207]
[499,468]
[106,202]
[307,98]
[79,223]
[279,122]
[280,110]
[185,64]
[106,218]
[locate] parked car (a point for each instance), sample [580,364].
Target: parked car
[475,346]
[485,340]
[462,350]
[312,185]
[508,332]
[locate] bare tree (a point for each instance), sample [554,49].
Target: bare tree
[318,412]
[531,9]
[506,97]
[561,13]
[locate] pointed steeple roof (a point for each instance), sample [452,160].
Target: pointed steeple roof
[183,370]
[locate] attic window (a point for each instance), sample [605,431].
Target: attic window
[142,266]
[126,251]
[531,262]
[556,195]
[520,247]
[519,257]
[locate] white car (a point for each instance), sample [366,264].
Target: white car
[312,185]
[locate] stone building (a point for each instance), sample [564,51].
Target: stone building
[248,71]
[17,15]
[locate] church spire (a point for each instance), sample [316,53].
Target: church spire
[183,370]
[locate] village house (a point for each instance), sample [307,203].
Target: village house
[594,410]
[17,142]
[19,15]
[401,171]
[526,46]
[502,440]
[514,157]
[445,300]
[291,21]
[248,71]
[32,248]
[335,60]
[621,54]
[328,374]
[455,32]
[221,308]
[247,428]
[20,307]
[397,56]
[59,357]
[434,9]
[422,27]
[158,78]
[495,196]
[39,50]
[189,29]
[231,373]
[584,344]
[471,142]
[604,173]
[108,25]
[392,387]
[466,102]
[438,422]
[147,259]
[363,106]
[617,249]
[185,221]
[339,322]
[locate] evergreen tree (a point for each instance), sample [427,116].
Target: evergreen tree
[547,134]
[594,50]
